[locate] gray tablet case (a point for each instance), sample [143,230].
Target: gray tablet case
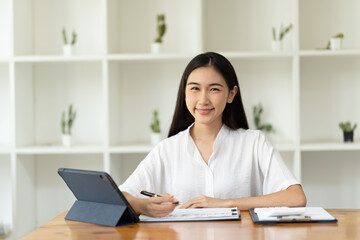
[99,200]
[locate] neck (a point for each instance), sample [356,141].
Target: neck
[205,131]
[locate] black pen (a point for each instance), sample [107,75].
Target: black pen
[150,194]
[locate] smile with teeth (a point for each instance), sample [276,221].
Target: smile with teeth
[204,111]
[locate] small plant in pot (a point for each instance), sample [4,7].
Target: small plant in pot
[161,29]
[348,131]
[265,127]
[66,126]
[69,47]
[277,41]
[155,136]
[336,41]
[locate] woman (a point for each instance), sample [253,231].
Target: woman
[211,158]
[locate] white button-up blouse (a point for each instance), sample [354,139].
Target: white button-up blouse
[243,164]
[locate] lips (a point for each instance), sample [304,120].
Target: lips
[203,111]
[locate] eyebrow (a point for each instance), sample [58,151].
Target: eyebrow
[211,84]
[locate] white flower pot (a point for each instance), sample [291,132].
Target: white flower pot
[156,48]
[155,138]
[66,140]
[276,46]
[68,50]
[335,43]
[4,229]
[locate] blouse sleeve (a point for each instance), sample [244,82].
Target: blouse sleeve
[144,176]
[277,176]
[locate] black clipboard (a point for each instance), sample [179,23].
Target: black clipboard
[306,219]
[99,200]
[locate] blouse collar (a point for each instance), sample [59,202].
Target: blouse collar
[222,134]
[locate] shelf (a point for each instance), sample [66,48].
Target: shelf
[136,148]
[317,25]
[258,54]
[131,29]
[320,53]
[149,56]
[188,56]
[244,25]
[175,56]
[41,24]
[329,92]
[330,146]
[47,89]
[76,149]
[130,114]
[57,58]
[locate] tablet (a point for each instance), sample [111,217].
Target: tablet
[99,200]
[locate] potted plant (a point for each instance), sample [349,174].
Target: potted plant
[4,229]
[266,127]
[155,136]
[348,131]
[66,126]
[161,29]
[336,41]
[69,48]
[276,44]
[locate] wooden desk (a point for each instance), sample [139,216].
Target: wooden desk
[348,227]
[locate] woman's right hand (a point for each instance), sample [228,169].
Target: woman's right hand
[160,206]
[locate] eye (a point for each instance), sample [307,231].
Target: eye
[214,90]
[194,88]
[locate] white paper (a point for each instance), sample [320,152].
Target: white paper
[315,213]
[196,214]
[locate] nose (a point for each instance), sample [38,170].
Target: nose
[204,98]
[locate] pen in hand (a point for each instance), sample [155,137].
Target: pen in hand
[150,194]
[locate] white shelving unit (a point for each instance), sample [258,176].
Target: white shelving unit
[114,84]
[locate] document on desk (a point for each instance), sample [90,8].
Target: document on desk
[306,214]
[196,214]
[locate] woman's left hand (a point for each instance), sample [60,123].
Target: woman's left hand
[205,202]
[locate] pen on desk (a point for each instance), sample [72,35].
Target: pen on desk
[150,194]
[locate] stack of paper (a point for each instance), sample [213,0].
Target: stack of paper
[196,214]
[279,211]
[311,214]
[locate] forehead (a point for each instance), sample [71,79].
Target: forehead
[206,75]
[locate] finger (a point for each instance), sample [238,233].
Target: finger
[160,200]
[171,200]
[165,195]
[158,204]
[197,205]
[165,209]
[188,203]
[162,210]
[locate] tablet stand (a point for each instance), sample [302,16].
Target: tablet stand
[99,213]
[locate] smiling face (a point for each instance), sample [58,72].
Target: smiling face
[206,95]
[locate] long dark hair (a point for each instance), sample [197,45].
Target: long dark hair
[234,114]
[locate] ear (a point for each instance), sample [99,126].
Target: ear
[232,94]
